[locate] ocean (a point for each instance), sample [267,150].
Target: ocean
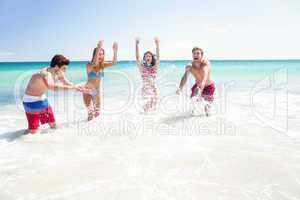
[248,149]
[245,73]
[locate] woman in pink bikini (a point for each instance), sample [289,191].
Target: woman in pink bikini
[95,73]
[148,69]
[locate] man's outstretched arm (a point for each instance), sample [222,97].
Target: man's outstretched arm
[184,79]
[63,79]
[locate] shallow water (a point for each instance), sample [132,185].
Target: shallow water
[248,149]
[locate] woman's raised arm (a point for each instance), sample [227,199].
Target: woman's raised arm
[115,58]
[137,52]
[156,40]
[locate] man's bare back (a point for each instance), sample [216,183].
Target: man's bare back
[37,84]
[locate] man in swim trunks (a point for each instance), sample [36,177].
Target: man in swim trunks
[200,68]
[35,102]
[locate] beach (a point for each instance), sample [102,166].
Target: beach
[249,148]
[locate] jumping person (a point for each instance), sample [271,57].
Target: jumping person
[200,68]
[95,72]
[35,102]
[148,69]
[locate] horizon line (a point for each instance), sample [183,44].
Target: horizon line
[166,60]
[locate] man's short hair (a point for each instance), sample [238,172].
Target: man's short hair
[197,49]
[59,60]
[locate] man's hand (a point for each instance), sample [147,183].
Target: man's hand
[200,86]
[178,92]
[83,89]
[199,89]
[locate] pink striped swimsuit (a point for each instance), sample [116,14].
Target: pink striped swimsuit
[149,91]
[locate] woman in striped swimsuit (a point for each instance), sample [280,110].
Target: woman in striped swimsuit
[148,69]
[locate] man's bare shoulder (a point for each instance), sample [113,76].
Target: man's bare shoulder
[188,66]
[206,62]
[45,73]
[41,73]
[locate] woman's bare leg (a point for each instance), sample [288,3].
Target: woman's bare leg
[96,101]
[87,99]
[152,101]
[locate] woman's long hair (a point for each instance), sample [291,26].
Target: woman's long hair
[94,57]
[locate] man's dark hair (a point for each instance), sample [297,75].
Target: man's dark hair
[59,60]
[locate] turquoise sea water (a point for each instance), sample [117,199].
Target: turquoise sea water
[244,74]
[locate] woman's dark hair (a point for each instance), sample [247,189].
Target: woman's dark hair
[59,60]
[153,58]
[94,53]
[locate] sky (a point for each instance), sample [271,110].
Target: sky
[35,30]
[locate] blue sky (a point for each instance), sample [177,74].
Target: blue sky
[232,29]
